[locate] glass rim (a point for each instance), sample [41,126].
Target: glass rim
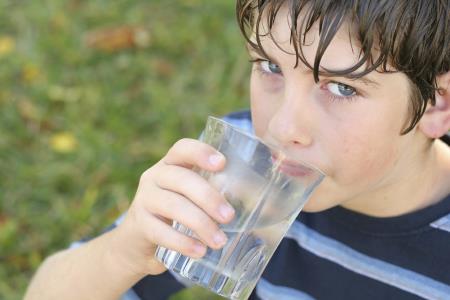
[268,145]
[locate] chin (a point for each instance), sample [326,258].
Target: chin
[316,204]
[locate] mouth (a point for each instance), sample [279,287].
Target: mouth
[292,168]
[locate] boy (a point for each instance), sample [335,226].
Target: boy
[360,89]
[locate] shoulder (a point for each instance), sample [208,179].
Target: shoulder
[239,115]
[241,119]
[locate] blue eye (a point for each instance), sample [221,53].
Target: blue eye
[270,67]
[341,90]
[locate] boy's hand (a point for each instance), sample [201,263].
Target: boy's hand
[171,190]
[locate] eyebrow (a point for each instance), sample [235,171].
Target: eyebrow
[350,76]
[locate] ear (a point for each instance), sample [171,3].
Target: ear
[436,120]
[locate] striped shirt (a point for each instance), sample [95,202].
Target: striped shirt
[340,254]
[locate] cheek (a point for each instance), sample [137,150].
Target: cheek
[364,146]
[263,105]
[355,165]
[363,159]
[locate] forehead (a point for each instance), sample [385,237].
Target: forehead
[343,52]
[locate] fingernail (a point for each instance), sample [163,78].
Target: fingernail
[220,238]
[226,211]
[215,159]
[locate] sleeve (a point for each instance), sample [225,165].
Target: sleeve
[154,287]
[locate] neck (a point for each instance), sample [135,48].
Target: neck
[422,185]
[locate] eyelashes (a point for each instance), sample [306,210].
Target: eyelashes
[265,67]
[339,91]
[333,90]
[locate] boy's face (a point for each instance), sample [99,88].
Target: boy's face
[350,129]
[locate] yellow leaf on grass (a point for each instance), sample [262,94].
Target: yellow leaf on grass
[63,142]
[30,72]
[7,45]
[118,38]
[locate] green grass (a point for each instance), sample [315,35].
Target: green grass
[118,112]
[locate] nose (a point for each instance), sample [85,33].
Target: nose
[291,124]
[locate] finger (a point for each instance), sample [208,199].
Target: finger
[192,153]
[176,207]
[196,188]
[159,233]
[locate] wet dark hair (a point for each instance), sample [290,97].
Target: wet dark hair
[410,36]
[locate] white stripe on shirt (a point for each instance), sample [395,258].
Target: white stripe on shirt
[360,263]
[267,291]
[442,223]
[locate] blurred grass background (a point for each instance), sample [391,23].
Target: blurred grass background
[91,94]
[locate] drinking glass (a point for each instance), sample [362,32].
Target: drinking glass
[267,190]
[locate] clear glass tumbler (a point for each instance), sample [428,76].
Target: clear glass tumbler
[267,190]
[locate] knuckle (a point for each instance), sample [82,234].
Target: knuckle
[182,143]
[182,149]
[145,176]
[187,244]
[176,174]
[197,222]
[162,173]
[191,247]
[201,223]
[173,202]
[211,195]
[192,145]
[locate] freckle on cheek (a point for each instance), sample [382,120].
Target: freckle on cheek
[362,160]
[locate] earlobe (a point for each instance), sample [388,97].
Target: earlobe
[436,120]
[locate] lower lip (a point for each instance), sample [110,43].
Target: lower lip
[294,170]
